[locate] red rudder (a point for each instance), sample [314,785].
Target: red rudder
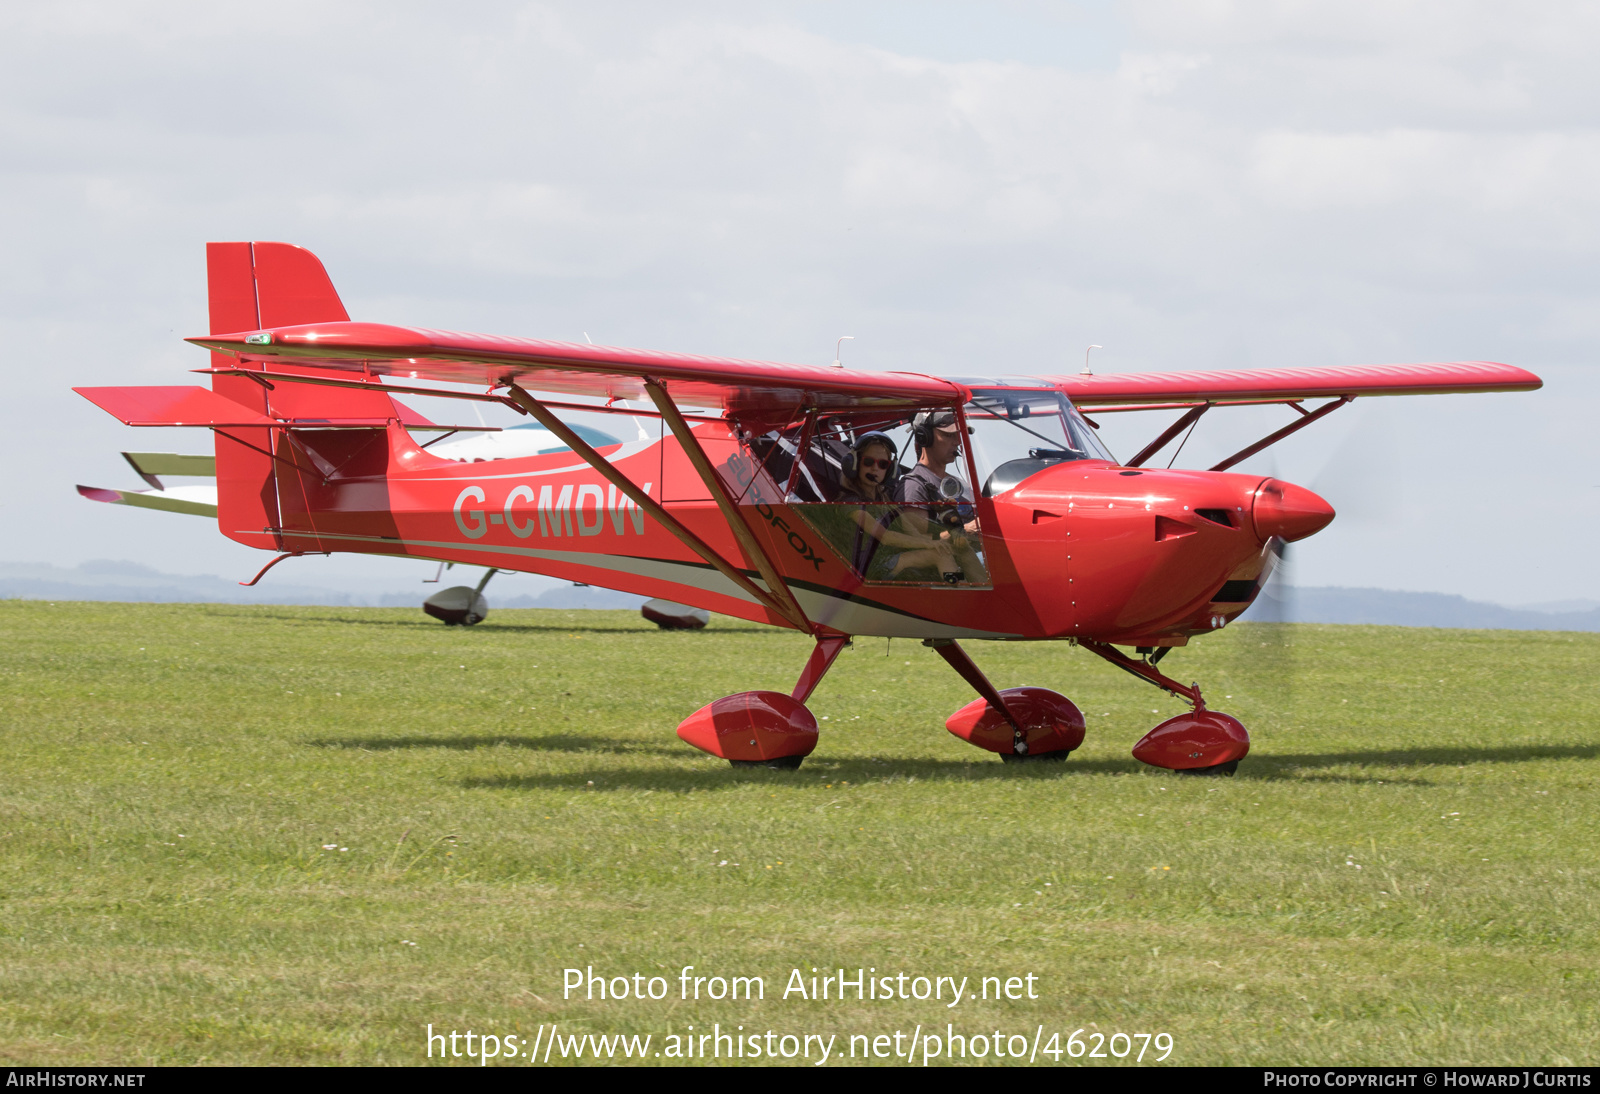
[247,486]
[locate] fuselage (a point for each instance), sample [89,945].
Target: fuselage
[1079,549]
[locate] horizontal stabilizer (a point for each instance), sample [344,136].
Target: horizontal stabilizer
[151,464]
[201,501]
[170,406]
[172,463]
[195,406]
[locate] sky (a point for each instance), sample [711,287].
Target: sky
[965,188]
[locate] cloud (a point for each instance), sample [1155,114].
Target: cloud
[1188,184]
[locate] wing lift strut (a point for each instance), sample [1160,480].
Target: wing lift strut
[772,592]
[1195,410]
[752,728]
[776,597]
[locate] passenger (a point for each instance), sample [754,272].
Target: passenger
[883,552]
[938,439]
[866,475]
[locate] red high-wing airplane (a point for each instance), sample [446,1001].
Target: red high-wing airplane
[732,501]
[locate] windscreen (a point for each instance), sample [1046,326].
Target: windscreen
[1017,433]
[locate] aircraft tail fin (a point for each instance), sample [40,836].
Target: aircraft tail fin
[256,286]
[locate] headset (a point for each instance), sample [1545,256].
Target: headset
[926,421]
[851,467]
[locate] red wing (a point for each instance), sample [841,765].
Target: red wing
[1295,383]
[728,384]
[573,369]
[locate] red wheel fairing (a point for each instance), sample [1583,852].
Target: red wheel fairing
[1053,723]
[752,727]
[1203,738]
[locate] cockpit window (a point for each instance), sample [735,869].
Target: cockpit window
[847,477]
[516,442]
[1018,433]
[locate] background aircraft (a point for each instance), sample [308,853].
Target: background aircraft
[458,605]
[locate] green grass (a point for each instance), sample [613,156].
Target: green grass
[515,803]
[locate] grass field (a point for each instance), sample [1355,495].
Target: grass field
[1404,870]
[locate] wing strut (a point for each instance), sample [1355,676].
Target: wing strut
[644,501]
[1292,427]
[1146,671]
[730,512]
[1172,431]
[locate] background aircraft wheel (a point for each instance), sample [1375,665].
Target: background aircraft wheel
[782,763]
[670,616]
[457,606]
[1035,758]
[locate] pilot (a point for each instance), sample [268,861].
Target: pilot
[882,550]
[933,495]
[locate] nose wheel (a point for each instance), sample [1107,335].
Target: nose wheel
[1199,742]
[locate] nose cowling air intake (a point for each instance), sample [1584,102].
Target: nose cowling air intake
[1288,511]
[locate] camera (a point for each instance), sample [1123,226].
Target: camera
[953,511]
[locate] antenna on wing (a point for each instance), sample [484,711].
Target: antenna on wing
[1086,371]
[587,339]
[843,338]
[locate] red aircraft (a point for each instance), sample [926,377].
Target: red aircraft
[766,491]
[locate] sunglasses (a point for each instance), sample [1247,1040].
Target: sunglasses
[870,462]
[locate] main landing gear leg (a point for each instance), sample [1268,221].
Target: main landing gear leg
[817,665]
[1202,742]
[765,728]
[1021,724]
